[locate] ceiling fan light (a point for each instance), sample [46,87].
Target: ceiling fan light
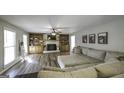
[53,33]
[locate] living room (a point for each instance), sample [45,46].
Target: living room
[61,46]
[71,46]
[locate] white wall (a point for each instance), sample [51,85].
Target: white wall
[1,47]
[115,31]
[19,36]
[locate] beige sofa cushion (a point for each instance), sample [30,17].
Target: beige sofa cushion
[84,50]
[84,73]
[79,67]
[112,60]
[77,50]
[98,54]
[112,55]
[49,68]
[75,60]
[109,69]
[50,74]
[118,76]
[67,75]
[53,74]
[67,69]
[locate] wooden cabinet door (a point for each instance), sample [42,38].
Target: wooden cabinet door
[35,49]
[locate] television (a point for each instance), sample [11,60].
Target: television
[51,47]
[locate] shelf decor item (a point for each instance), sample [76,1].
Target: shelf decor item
[84,39]
[103,38]
[92,38]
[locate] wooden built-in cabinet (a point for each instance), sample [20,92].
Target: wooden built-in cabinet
[35,49]
[64,43]
[35,43]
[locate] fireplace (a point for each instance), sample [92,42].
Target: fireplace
[51,47]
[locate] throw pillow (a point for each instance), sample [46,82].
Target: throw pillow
[85,50]
[120,58]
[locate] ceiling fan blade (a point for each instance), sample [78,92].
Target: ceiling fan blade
[58,32]
[63,28]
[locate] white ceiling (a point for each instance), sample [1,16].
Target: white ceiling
[69,23]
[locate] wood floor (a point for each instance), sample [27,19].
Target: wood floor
[32,65]
[28,68]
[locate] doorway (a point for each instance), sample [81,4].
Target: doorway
[72,42]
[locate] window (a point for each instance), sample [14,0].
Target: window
[25,43]
[72,42]
[9,46]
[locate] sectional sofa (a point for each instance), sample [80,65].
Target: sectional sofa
[87,63]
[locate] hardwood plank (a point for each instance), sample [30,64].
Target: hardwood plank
[30,65]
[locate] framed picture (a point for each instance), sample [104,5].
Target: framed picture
[84,39]
[103,38]
[92,38]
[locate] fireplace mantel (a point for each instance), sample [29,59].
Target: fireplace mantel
[55,51]
[51,42]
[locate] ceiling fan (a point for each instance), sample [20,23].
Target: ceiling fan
[58,30]
[55,32]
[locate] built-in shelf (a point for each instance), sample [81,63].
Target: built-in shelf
[64,43]
[35,43]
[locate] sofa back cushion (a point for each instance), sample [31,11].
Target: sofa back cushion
[109,69]
[98,54]
[84,50]
[112,55]
[114,59]
[84,73]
